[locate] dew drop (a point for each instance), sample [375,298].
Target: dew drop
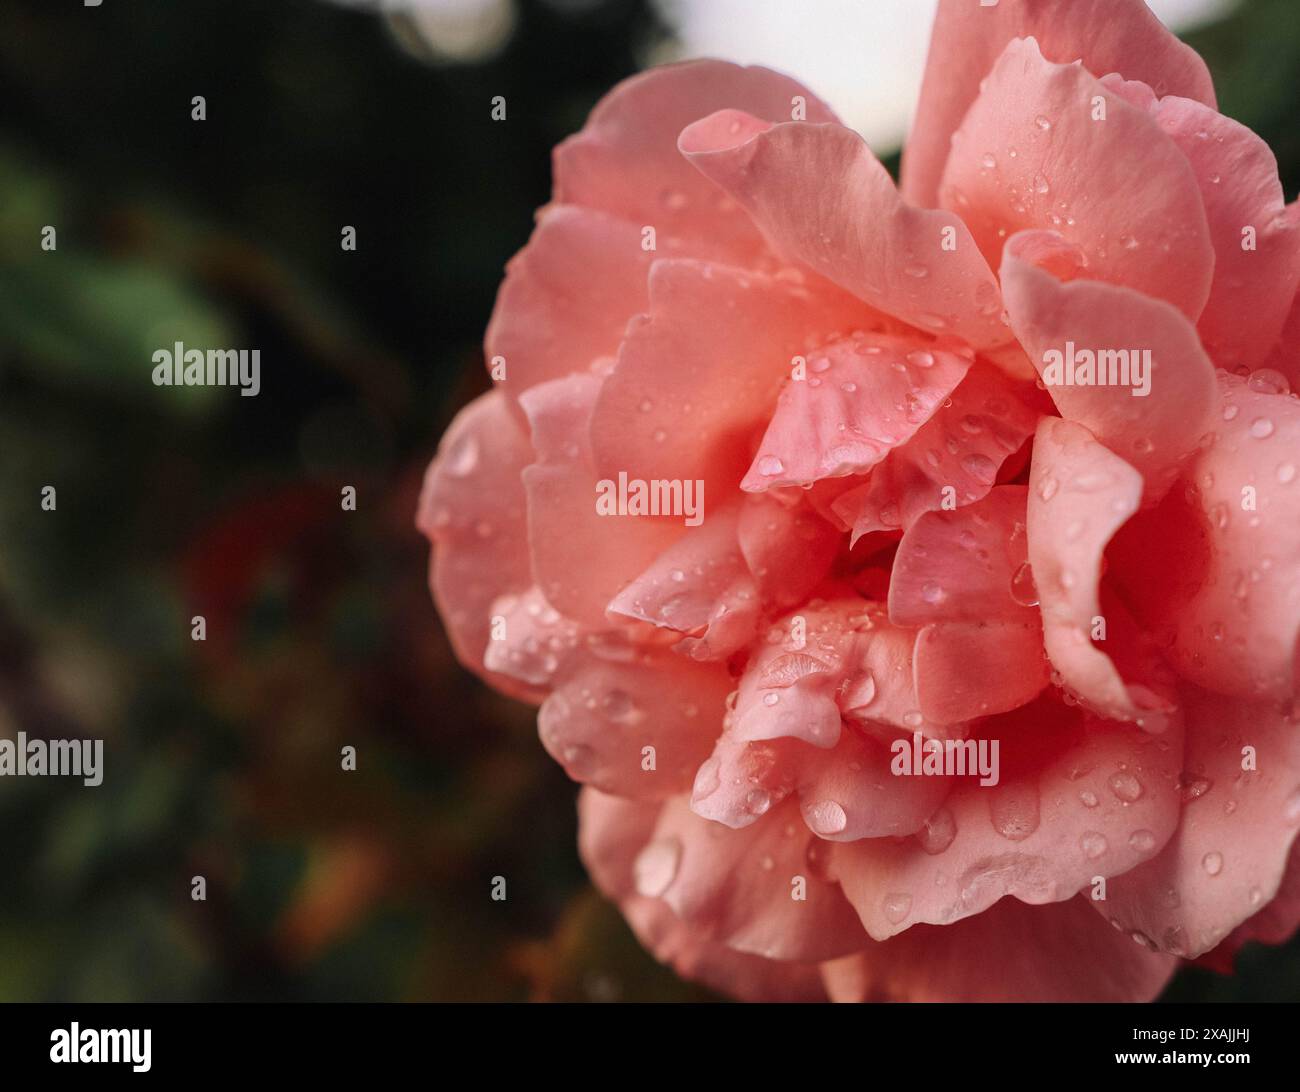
[897,906]
[1126,787]
[1023,589]
[826,817]
[656,867]
[938,833]
[1093,844]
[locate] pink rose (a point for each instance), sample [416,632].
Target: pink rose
[996,477]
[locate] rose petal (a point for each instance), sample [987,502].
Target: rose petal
[975,669]
[1109,35]
[963,565]
[604,714]
[1009,953]
[832,659]
[1154,433]
[567,297]
[698,375]
[953,458]
[1226,592]
[1080,494]
[823,199]
[1228,856]
[1077,798]
[472,510]
[845,792]
[754,889]
[747,977]
[625,160]
[580,559]
[859,399]
[1030,154]
[1253,287]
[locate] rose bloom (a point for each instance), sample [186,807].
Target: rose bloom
[1005,457]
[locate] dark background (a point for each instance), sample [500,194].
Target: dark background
[222,757]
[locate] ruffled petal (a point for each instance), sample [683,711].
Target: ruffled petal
[1278,921]
[1255,274]
[1009,953]
[1080,495]
[625,160]
[954,458]
[755,556]
[824,200]
[976,669]
[532,641]
[608,710]
[581,559]
[787,547]
[1285,354]
[1109,35]
[738,974]
[1155,432]
[567,297]
[754,889]
[698,376]
[859,399]
[1226,861]
[834,659]
[844,792]
[964,565]
[472,510]
[1077,798]
[1225,593]
[1032,154]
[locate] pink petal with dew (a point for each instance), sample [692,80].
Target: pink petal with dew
[822,199]
[1009,953]
[1032,154]
[472,509]
[580,558]
[1109,35]
[697,376]
[954,458]
[859,399]
[1135,342]
[625,160]
[1076,799]
[1239,821]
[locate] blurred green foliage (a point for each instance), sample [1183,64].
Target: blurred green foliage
[223,757]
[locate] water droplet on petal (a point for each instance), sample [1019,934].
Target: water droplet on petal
[1212,863]
[825,817]
[897,906]
[1143,841]
[656,867]
[1126,787]
[1093,844]
[938,833]
[1023,589]
[1014,811]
